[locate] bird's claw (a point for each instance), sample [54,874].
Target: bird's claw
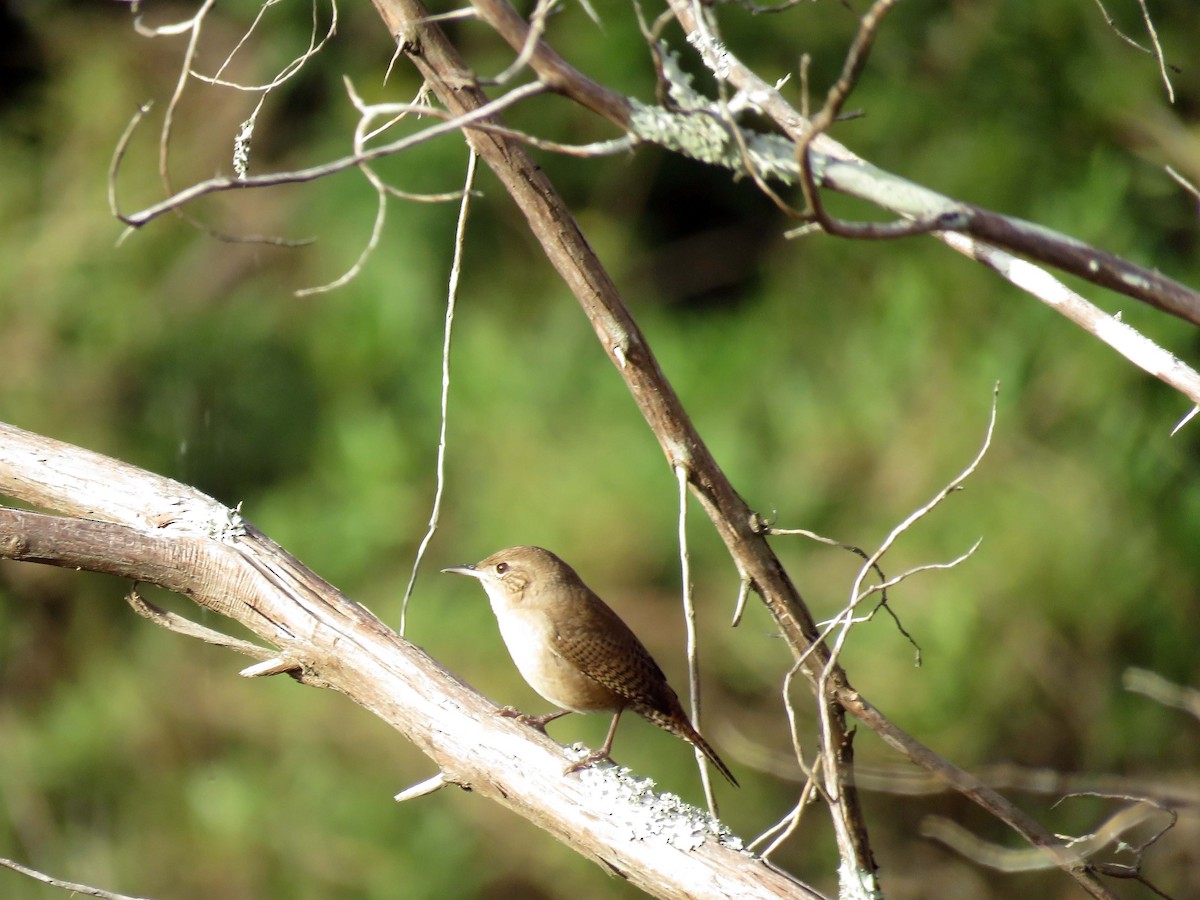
[538,722]
[589,760]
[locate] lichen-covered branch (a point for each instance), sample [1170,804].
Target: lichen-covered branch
[154,530]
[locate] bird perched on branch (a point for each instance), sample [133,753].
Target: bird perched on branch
[574,650]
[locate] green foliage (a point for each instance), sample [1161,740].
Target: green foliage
[839,384]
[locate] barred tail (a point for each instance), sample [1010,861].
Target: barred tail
[708,751]
[679,726]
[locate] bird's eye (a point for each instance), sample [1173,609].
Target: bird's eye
[501,568]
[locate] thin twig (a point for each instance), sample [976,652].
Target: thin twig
[856,60]
[1007,859]
[180,625]
[1111,22]
[1160,690]
[693,643]
[164,138]
[1187,185]
[361,135]
[422,789]
[856,593]
[537,27]
[739,607]
[460,240]
[884,584]
[288,71]
[189,55]
[1158,51]
[787,826]
[312,173]
[65,885]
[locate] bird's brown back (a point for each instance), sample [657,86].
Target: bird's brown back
[603,647]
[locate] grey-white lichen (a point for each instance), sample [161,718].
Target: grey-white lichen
[632,804]
[712,51]
[697,128]
[241,147]
[199,516]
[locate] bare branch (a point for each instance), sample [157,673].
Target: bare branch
[289,70]
[1187,185]
[460,239]
[1160,690]
[785,827]
[537,27]
[327,640]
[177,623]
[423,788]
[1156,51]
[856,60]
[72,886]
[1130,343]
[312,173]
[382,191]
[1007,859]
[693,642]
[846,619]
[837,168]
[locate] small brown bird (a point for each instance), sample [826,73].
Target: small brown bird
[574,650]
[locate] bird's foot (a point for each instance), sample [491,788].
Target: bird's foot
[538,722]
[591,759]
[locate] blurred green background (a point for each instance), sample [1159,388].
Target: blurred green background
[839,385]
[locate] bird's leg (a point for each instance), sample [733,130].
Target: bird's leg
[597,755]
[538,722]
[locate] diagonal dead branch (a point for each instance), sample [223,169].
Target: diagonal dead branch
[157,531]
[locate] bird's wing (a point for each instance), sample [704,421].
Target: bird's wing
[602,646]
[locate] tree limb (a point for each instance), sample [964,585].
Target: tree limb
[136,529]
[838,168]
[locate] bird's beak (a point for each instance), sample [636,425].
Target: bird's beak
[464,570]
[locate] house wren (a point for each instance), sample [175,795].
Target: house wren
[574,650]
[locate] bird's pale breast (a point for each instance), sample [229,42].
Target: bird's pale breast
[529,636]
